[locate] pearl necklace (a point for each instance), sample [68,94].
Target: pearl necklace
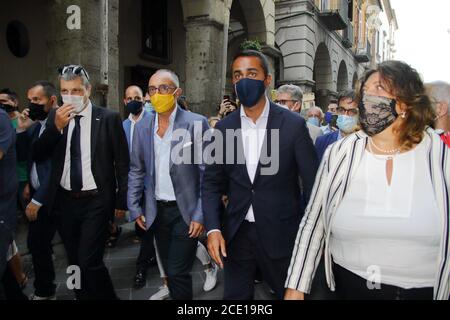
[393,151]
[390,153]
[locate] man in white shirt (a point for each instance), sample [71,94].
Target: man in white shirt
[266,204]
[90,164]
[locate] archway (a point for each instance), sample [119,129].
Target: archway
[322,76]
[342,80]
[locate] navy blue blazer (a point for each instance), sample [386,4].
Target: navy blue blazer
[43,167]
[276,199]
[323,142]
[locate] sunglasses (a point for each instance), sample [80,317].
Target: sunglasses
[75,69]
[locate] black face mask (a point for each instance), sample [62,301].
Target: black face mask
[37,112]
[376,114]
[134,107]
[8,108]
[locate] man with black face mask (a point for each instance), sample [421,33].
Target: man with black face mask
[134,102]
[266,204]
[43,97]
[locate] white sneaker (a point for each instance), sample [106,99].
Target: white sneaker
[162,294]
[38,298]
[211,278]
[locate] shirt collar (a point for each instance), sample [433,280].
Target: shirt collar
[264,114]
[171,118]
[87,112]
[130,117]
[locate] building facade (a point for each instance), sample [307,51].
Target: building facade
[320,45]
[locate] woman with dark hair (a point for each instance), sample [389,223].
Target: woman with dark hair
[379,210]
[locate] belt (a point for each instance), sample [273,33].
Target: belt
[166,204]
[80,194]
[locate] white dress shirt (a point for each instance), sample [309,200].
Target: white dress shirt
[86,125]
[133,123]
[253,135]
[163,187]
[34,178]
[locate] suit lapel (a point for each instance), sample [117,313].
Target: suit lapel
[179,123]
[238,146]
[273,122]
[95,127]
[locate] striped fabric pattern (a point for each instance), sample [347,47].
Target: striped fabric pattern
[336,171]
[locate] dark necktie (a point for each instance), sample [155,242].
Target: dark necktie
[76,172]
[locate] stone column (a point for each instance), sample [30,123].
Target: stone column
[83,45]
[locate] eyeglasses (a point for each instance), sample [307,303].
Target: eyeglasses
[75,69]
[350,112]
[162,89]
[283,102]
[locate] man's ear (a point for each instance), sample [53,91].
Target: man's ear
[268,80]
[442,109]
[178,93]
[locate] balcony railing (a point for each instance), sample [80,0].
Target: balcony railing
[364,52]
[347,37]
[333,13]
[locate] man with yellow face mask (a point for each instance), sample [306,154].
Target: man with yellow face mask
[172,205]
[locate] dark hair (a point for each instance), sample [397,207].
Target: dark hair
[253,53]
[11,94]
[347,94]
[404,82]
[48,87]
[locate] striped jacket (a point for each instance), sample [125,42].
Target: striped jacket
[336,171]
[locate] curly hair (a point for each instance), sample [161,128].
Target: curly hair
[406,85]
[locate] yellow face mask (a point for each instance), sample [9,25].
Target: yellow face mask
[162,102]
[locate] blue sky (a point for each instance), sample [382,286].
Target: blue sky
[423,38]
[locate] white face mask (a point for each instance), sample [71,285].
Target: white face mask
[77,102]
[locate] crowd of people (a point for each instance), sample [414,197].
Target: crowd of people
[357,208]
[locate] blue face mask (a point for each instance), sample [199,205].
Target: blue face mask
[346,123]
[148,107]
[314,121]
[250,91]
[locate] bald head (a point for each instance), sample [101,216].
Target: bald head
[133,93]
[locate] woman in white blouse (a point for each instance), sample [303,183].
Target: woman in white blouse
[380,207]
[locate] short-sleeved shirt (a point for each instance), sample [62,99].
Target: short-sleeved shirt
[22,171]
[8,173]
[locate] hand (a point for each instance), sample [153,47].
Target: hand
[216,247]
[23,121]
[120,214]
[26,193]
[32,211]
[226,106]
[196,229]
[141,223]
[292,294]
[63,116]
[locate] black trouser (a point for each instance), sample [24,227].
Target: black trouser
[147,251]
[177,251]
[350,286]
[6,237]
[40,236]
[319,288]
[244,255]
[11,286]
[83,227]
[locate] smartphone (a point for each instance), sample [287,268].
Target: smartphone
[226,97]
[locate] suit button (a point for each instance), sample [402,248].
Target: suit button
[253,191]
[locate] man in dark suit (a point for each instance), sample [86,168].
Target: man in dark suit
[272,149]
[43,97]
[90,163]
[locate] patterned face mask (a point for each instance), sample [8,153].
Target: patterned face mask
[376,114]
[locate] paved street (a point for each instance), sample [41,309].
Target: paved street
[121,263]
